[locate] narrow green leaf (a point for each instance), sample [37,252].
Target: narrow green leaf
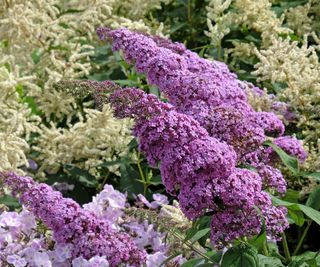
[311,213]
[300,263]
[177,27]
[199,235]
[167,260]
[215,256]
[315,175]
[314,199]
[290,162]
[154,90]
[261,238]
[308,211]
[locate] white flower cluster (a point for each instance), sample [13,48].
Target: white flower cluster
[42,42]
[255,14]
[298,67]
[95,138]
[16,120]
[294,64]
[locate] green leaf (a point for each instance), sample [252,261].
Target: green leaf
[300,263]
[315,175]
[261,238]
[20,90]
[155,91]
[190,233]
[290,162]
[10,202]
[156,180]
[296,216]
[314,199]
[126,82]
[167,260]
[177,27]
[133,144]
[83,176]
[240,256]
[109,163]
[308,258]
[269,261]
[36,55]
[308,211]
[128,180]
[311,213]
[292,196]
[215,256]
[191,263]
[199,234]
[31,104]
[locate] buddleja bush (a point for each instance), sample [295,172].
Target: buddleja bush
[215,154]
[215,143]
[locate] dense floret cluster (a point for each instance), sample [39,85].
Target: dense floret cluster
[82,230]
[203,134]
[199,168]
[205,90]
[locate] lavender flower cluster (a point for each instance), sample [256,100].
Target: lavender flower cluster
[200,169]
[25,242]
[205,131]
[80,230]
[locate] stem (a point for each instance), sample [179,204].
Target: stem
[145,186]
[302,238]
[189,10]
[220,52]
[285,247]
[104,180]
[187,243]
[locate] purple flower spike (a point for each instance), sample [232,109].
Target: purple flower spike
[197,87]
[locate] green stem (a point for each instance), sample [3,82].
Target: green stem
[302,238]
[145,185]
[104,180]
[189,10]
[220,52]
[285,247]
[198,251]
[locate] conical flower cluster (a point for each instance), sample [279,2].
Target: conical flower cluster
[199,169]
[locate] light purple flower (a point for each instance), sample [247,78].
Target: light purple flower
[89,235]
[16,261]
[159,200]
[41,259]
[108,204]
